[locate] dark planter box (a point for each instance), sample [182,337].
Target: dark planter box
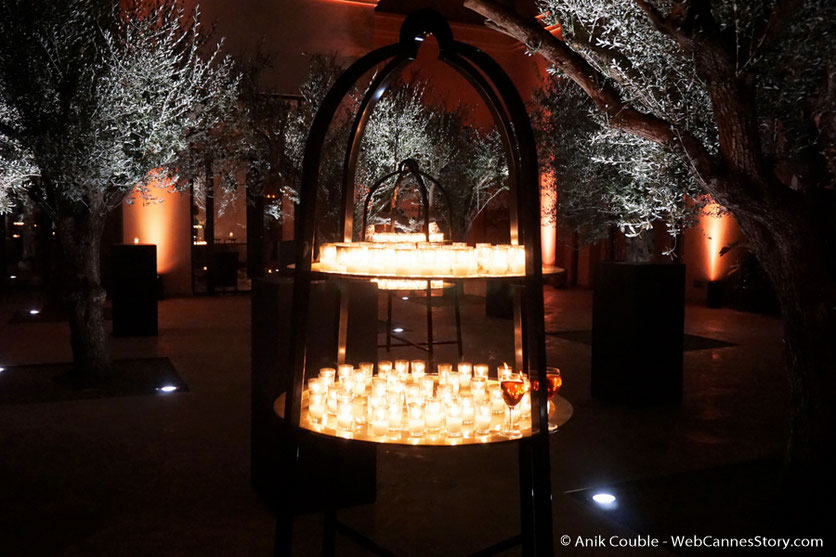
[308,471]
[637,332]
[134,289]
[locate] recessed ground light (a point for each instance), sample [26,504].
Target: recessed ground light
[397,330]
[2,369]
[404,297]
[168,389]
[604,499]
[34,311]
[12,276]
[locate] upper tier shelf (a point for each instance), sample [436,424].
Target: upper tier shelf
[320,268]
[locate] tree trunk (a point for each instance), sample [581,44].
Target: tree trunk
[80,240]
[795,258]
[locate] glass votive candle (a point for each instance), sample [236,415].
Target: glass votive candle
[443,371]
[481,370]
[316,405]
[525,405]
[328,373]
[366,369]
[359,386]
[428,386]
[468,411]
[384,367]
[453,418]
[497,403]
[378,387]
[478,387]
[359,409]
[345,412]
[453,381]
[433,415]
[465,372]
[415,417]
[482,419]
[402,367]
[394,413]
[379,421]
[445,393]
[345,371]
[331,401]
[317,385]
[504,372]
[419,368]
[413,393]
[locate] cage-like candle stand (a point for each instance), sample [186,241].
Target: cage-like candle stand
[406,402]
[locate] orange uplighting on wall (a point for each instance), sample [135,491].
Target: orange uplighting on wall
[163,222]
[716,228]
[548,224]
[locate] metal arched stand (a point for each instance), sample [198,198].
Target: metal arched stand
[511,119]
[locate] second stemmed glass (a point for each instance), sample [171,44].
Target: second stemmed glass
[513,389]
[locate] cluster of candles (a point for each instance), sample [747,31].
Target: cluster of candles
[407,284]
[402,399]
[456,259]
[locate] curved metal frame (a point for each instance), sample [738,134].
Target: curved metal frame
[511,119]
[409,167]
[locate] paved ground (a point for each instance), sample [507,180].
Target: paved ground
[168,474]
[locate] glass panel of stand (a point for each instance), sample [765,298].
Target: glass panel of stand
[402,403]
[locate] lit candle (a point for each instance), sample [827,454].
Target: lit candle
[394,412]
[445,393]
[517,263]
[316,406]
[468,410]
[504,372]
[366,369]
[317,385]
[328,373]
[379,421]
[443,371]
[402,369]
[481,370]
[401,366]
[384,367]
[414,393]
[497,403]
[465,371]
[454,419]
[434,415]
[415,411]
[453,381]
[428,386]
[345,371]
[418,370]
[331,401]
[359,409]
[136,240]
[345,412]
[378,387]
[478,387]
[483,417]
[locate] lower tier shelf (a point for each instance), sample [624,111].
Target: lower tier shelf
[560,411]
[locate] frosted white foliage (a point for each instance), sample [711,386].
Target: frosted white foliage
[786,56]
[100,98]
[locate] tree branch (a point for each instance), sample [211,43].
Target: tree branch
[603,94]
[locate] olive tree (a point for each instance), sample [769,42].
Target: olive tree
[97,100]
[744,95]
